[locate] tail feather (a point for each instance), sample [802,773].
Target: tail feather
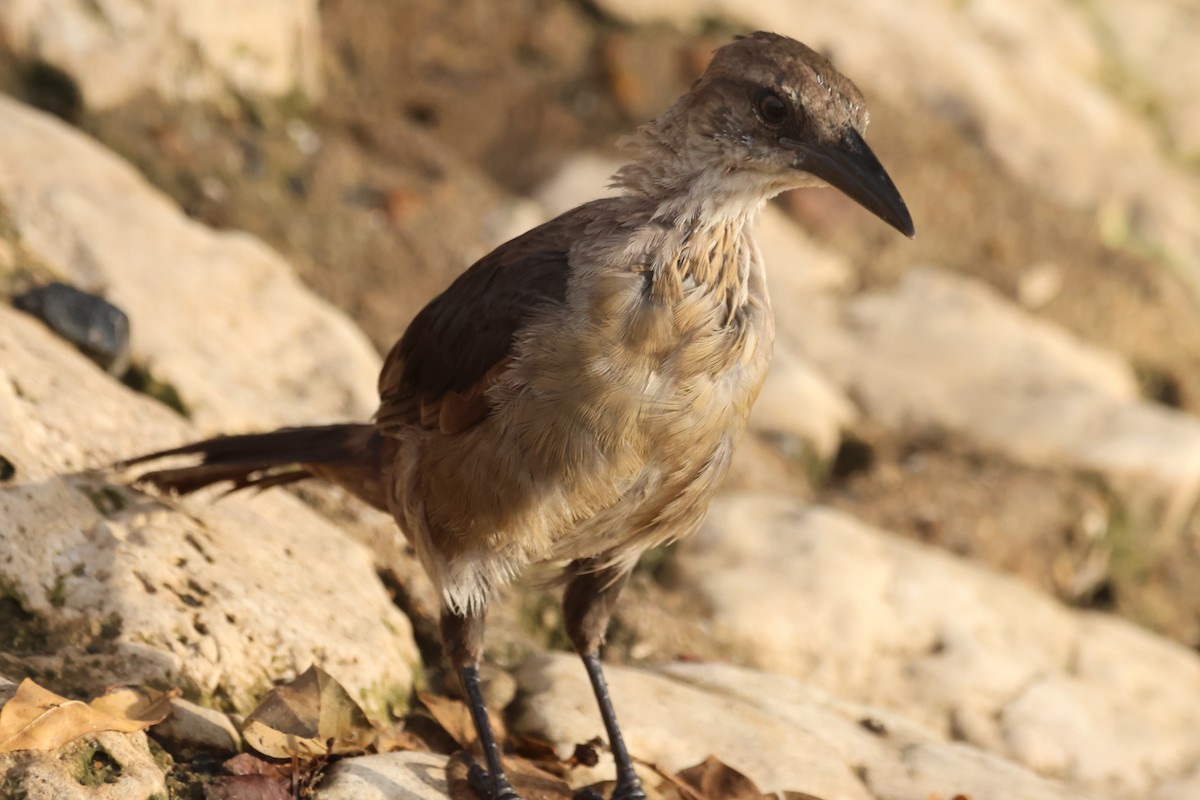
[348,455]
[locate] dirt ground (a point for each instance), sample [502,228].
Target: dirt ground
[390,184]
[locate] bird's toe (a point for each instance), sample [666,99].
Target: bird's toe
[486,788]
[631,790]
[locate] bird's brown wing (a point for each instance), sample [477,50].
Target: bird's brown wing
[438,373]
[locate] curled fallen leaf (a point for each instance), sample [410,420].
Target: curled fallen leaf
[310,716]
[396,738]
[36,718]
[148,706]
[455,719]
[715,780]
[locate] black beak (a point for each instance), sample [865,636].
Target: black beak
[851,167]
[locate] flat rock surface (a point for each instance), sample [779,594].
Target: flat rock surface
[782,734]
[219,316]
[962,651]
[198,726]
[63,774]
[112,585]
[115,49]
[943,353]
[390,776]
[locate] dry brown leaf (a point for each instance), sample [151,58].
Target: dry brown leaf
[455,719]
[681,787]
[248,787]
[147,706]
[250,764]
[532,748]
[310,716]
[397,738]
[36,718]
[715,780]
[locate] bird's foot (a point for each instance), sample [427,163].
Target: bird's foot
[486,788]
[629,789]
[624,790]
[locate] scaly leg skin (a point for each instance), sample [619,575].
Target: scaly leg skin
[491,784]
[629,785]
[587,606]
[462,637]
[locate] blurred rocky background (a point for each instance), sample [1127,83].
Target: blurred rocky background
[958,554]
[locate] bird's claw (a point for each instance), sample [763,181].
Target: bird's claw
[629,790]
[487,789]
[623,791]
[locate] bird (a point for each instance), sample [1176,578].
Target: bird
[575,396]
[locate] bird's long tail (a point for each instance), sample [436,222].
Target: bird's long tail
[348,455]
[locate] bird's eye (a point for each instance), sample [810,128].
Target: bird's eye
[771,108]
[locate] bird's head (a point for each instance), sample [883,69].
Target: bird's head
[771,114]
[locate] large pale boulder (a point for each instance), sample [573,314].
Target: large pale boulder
[101,766]
[387,776]
[940,352]
[217,315]
[779,732]
[115,49]
[1153,53]
[108,585]
[974,655]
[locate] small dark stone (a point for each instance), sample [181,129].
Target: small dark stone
[587,753]
[52,90]
[91,323]
[854,456]
[7,470]
[873,725]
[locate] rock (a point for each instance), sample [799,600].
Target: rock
[98,328]
[388,776]
[1185,788]
[198,726]
[966,653]
[1153,47]
[102,766]
[780,733]
[8,687]
[112,586]
[218,317]
[579,180]
[798,403]
[116,49]
[945,353]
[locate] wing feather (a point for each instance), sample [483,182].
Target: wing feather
[460,344]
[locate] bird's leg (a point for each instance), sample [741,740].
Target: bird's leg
[587,605]
[462,637]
